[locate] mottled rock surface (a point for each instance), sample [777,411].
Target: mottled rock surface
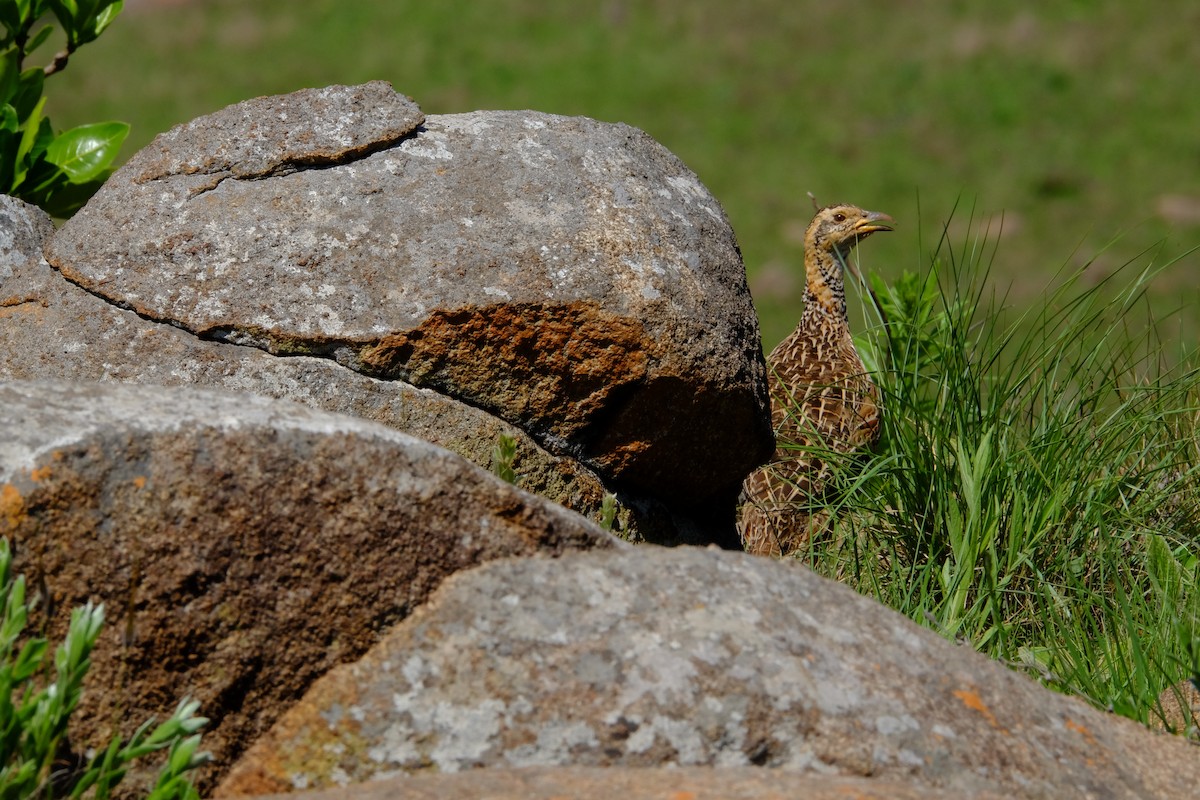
[690,657]
[24,230]
[54,330]
[571,277]
[592,783]
[277,135]
[242,546]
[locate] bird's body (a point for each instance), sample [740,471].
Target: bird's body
[821,395]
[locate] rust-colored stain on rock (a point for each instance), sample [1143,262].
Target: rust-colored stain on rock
[1082,730]
[39,474]
[973,701]
[10,306]
[558,363]
[12,506]
[597,380]
[321,752]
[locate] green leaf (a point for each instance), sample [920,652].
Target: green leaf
[84,20]
[25,144]
[39,38]
[28,91]
[30,659]
[9,72]
[11,16]
[84,152]
[62,199]
[106,16]
[67,12]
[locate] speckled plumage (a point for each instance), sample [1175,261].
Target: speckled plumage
[821,396]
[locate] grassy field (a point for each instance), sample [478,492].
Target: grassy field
[1036,493]
[1063,130]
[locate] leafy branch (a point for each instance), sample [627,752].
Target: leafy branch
[57,171]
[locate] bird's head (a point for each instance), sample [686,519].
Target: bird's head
[832,234]
[838,228]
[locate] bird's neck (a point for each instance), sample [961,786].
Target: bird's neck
[825,289]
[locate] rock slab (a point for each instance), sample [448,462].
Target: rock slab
[593,783]
[54,330]
[241,546]
[691,657]
[571,277]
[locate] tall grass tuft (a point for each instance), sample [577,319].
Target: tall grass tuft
[1035,488]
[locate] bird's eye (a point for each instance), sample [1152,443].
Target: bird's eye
[839,217]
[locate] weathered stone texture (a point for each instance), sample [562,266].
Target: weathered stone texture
[688,657]
[242,546]
[275,135]
[591,783]
[54,330]
[571,277]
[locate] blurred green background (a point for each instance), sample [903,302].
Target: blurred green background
[1065,133]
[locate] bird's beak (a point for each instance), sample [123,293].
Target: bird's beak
[872,222]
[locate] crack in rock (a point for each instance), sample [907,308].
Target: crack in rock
[271,136]
[299,164]
[569,276]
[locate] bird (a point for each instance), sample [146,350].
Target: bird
[821,395]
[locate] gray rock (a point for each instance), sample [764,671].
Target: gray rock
[277,135]
[23,231]
[592,783]
[571,277]
[54,330]
[242,546]
[692,657]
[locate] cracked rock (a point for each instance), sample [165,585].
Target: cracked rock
[570,277]
[276,135]
[654,657]
[241,546]
[54,330]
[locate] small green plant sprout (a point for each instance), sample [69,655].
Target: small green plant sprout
[504,455]
[56,171]
[608,512]
[33,721]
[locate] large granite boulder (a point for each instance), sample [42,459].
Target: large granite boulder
[570,277]
[54,330]
[689,657]
[242,546]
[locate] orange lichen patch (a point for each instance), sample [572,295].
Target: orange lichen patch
[315,756]
[973,701]
[682,795]
[12,506]
[1082,730]
[140,481]
[21,305]
[596,380]
[552,362]
[39,474]
[25,309]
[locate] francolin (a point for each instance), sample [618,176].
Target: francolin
[821,396]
